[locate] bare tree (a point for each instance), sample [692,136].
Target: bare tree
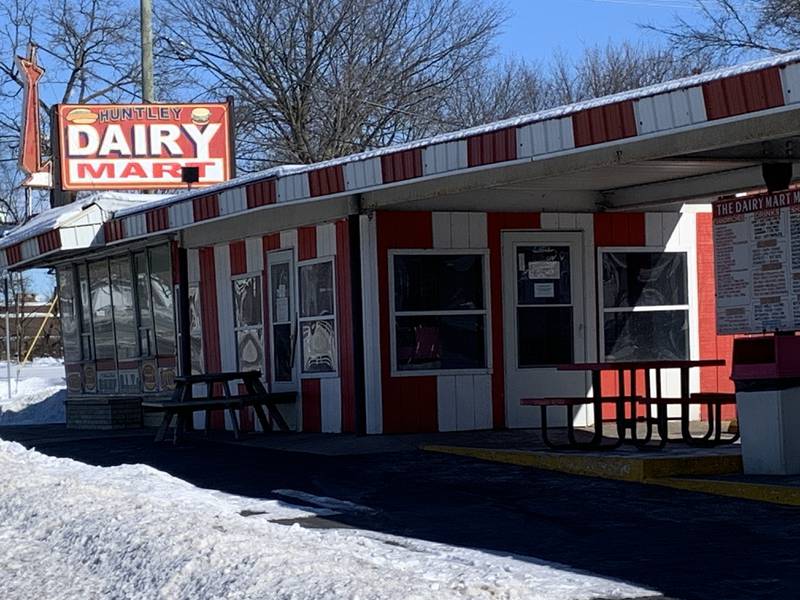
[613,68]
[316,79]
[730,30]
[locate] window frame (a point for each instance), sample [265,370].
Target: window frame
[252,275]
[486,311]
[277,257]
[301,374]
[602,309]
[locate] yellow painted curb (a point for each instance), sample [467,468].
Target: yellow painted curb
[774,494]
[607,466]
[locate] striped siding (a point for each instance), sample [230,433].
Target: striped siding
[260,193]
[440,158]
[371,322]
[233,201]
[157,219]
[29,248]
[344,316]
[399,166]
[745,93]
[670,111]
[205,207]
[604,124]
[790,82]
[113,230]
[545,137]
[181,214]
[292,187]
[492,147]
[136,225]
[306,243]
[325,181]
[362,174]
[326,240]
[47,242]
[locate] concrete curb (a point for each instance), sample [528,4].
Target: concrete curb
[666,471]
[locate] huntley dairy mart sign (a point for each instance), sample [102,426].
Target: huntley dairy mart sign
[757,261]
[141,146]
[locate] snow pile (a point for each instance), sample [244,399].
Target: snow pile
[37,393]
[69,530]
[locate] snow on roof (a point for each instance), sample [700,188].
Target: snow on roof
[550,113]
[55,217]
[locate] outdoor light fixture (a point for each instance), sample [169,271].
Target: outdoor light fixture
[777,176]
[190,175]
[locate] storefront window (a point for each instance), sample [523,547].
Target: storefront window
[196,330]
[439,311]
[103,318]
[645,306]
[247,311]
[147,342]
[69,316]
[318,317]
[124,316]
[87,347]
[163,303]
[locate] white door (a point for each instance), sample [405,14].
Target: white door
[283,327]
[543,320]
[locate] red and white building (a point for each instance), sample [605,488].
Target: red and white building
[427,286]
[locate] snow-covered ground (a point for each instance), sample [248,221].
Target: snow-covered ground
[38,392]
[73,531]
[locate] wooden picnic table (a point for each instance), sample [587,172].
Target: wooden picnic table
[182,405]
[630,397]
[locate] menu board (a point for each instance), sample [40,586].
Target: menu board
[757,258]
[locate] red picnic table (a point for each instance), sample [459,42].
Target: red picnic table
[629,403]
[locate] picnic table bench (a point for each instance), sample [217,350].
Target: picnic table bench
[630,403]
[182,405]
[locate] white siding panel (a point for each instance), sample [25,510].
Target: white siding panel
[227,340]
[289,239]
[459,230]
[478,235]
[362,174]
[585,223]
[181,213]
[440,158]
[233,201]
[465,402]
[255,254]
[331,404]
[549,221]
[293,187]
[671,110]
[545,137]
[3,261]
[135,225]
[29,248]
[193,260]
[670,235]
[567,222]
[483,401]
[446,404]
[653,229]
[441,230]
[790,78]
[326,240]
[372,345]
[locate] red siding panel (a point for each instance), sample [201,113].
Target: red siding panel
[261,193]
[492,147]
[409,403]
[401,165]
[271,241]
[496,224]
[157,219]
[604,123]
[113,230]
[173,255]
[238,252]
[14,254]
[740,94]
[619,229]
[205,207]
[344,309]
[208,305]
[312,405]
[49,241]
[329,180]
[306,243]
[715,379]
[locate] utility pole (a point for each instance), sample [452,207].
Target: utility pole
[147,50]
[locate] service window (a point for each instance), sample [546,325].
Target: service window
[317,318]
[282,315]
[87,347]
[69,314]
[645,305]
[439,314]
[248,323]
[123,309]
[147,340]
[102,314]
[196,330]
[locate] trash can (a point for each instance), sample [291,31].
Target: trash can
[766,371]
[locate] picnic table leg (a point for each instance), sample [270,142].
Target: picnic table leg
[234,423]
[262,418]
[255,387]
[207,422]
[162,429]
[179,421]
[545,437]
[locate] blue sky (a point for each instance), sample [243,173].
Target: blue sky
[538,28]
